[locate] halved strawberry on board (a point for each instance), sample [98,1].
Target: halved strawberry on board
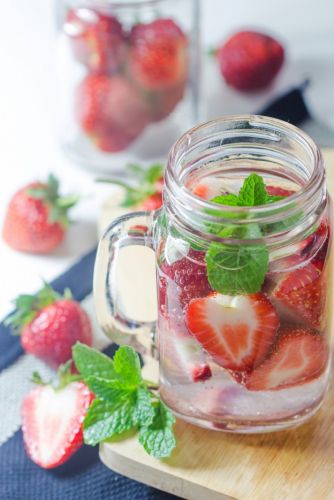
[52,422]
[237,331]
[299,357]
[302,292]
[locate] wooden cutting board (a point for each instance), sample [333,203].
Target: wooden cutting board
[296,464]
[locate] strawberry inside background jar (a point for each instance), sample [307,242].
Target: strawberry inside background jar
[126,79]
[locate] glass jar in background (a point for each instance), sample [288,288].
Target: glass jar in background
[243,315]
[128,79]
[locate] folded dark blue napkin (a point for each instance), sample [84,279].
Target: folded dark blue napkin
[83,477]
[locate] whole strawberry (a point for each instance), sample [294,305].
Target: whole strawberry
[158,54]
[110,111]
[52,419]
[250,60]
[96,39]
[145,193]
[50,324]
[36,218]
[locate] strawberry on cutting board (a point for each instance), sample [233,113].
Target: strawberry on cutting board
[50,325]
[52,420]
[237,331]
[298,357]
[37,217]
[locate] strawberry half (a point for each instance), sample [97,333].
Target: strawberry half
[52,422]
[302,291]
[237,331]
[298,357]
[278,191]
[50,325]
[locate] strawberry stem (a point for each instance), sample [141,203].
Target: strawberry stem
[58,205]
[27,307]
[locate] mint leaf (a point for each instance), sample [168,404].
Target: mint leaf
[109,390]
[239,268]
[127,366]
[90,362]
[273,198]
[144,409]
[253,192]
[231,200]
[105,419]
[158,438]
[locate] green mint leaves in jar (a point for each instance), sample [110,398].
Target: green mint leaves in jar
[240,268]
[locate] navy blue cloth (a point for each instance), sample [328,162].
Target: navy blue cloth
[83,477]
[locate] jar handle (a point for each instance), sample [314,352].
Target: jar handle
[123,275]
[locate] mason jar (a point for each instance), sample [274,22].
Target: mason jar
[128,79]
[242,258]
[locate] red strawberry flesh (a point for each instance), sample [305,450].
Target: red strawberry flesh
[299,357]
[237,331]
[52,422]
[302,291]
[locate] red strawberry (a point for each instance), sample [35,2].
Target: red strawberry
[158,54]
[146,192]
[50,324]
[52,422]
[237,331]
[36,218]
[189,275]
[278,191]
[250,60]
[110,111]
[319,240]
[302,292]
[97,40]
[298,357]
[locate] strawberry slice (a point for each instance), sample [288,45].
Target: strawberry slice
[237,331]
[302,291]
[52,422]
[298,357]
[278,191]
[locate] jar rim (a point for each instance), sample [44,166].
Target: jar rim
[311,186]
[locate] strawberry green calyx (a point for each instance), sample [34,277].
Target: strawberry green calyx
[64,377]
[58,205]
[145,183]
[27,306]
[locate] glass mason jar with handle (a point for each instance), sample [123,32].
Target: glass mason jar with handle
[128,78]
[241,249]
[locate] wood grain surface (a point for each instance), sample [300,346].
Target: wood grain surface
[296,464]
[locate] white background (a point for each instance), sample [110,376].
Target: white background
[28,143]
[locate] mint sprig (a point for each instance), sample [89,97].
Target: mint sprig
[124,401]
[240,268]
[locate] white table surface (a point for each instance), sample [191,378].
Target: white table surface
[28,141]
